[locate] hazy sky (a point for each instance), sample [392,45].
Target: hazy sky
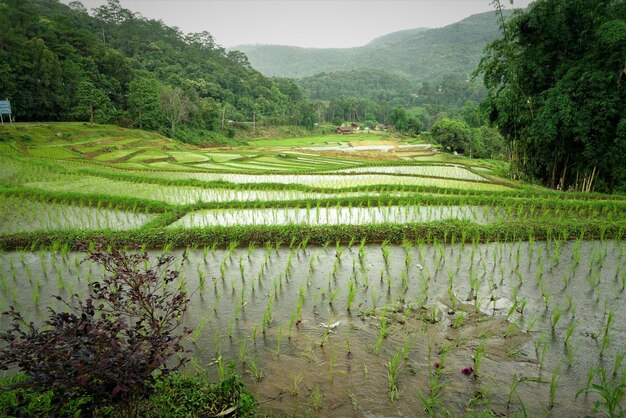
[307,23]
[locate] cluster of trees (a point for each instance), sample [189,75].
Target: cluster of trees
[476,142]
[58,62]
[364,96]
[557,92]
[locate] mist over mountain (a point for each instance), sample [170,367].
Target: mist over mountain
[420,54]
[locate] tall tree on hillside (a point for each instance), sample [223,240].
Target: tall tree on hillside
[144,103]
[92,103]
[557,92]
[452,135]
[176,105]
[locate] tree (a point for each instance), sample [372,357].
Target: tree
[452,135]
[92,103]
[176,105]
[77,6]
[404,122]
[144,103]
[113,12]
[203,39]
[556,91]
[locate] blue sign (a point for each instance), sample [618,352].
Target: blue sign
[5,107]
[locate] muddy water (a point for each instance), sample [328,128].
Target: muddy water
[336,215]
[305,370]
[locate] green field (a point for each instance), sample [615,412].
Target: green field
[413,261]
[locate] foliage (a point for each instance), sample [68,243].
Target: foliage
[557,92]
[58,63]
[452,135]
[176,105]
[175,395]
[144,104]
[110,345]
[184,395]
[92,103]
[404,122]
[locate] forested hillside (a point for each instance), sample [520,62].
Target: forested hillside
[61,62]
[557,92]
[422,55]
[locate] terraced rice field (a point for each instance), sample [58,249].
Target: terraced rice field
[338,286]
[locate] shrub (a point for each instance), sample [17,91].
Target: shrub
[110,346]
[184,395]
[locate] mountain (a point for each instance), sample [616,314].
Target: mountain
[395,36]
[421,54]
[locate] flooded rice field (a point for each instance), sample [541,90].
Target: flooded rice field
[447,171]
[336,215]
[334,181]
[382,330]
[21,215]
[180,195]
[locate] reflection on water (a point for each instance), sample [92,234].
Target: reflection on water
[336,215]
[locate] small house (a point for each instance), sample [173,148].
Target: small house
[341,130]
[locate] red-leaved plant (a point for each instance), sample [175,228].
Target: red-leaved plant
[112,345]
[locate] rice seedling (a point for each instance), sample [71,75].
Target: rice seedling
[297,380]
[351,294]
[316,398]
[256,372]
[393,368]
[478,356]
[405,282]
[242,268]
[242,352]
[458,319]
[406,347]
[557,311]
[554,382]
[545,345]
[195,335]
[570,353]
[610,389]
[231,328]
[36,296]
[605,332]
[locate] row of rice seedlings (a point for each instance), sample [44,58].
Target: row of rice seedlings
[19,215]
[335,181]
[331,215]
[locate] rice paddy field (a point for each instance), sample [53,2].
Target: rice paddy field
[340,284]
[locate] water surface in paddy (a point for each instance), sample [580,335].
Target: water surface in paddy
[182,195]
[305,370]
[448,171]
[22,215]
[331,181]
[336,215]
